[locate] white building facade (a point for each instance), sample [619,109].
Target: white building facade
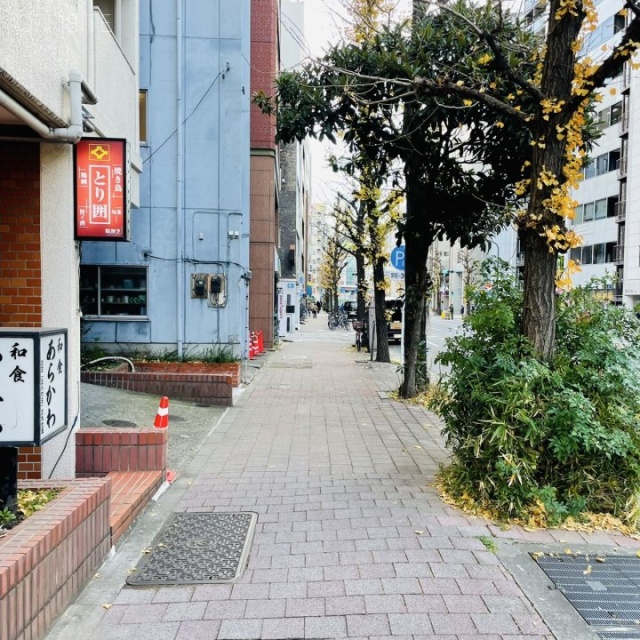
[68,70]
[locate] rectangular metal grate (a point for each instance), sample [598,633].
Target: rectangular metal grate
[604,589]
[197,548]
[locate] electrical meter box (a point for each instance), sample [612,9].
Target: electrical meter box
[217,290]
[199,285]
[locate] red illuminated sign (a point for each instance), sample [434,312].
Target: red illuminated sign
[101,189]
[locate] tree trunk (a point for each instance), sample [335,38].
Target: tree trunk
[416,251]
[548,158]
[361,304]
[382,336]
[539,312]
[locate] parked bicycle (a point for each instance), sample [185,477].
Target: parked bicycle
[358,326]
[339,320]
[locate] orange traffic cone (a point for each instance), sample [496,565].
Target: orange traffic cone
[162,417]
[260,342]
[254,343]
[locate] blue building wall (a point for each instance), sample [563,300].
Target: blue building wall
[213,228]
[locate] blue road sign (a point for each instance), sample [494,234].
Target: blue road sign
[397,257]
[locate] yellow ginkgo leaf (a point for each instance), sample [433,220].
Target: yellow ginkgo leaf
[467,103]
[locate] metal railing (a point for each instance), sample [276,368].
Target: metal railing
[622,167]
[618,254]
[621,210]
[626,76]
[624,122]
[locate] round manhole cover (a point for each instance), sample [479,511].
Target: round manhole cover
[119,423]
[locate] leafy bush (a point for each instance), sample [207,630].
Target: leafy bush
[214,354]
[90,352]
[8,519]
[526,436]
[29,501]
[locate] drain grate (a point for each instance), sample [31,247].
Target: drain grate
[197,548]
[604,589]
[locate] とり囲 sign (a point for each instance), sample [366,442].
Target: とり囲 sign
[33,385]
[101,176]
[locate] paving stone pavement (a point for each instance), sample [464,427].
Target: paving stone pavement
[352,540]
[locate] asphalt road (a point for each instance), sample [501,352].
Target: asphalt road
[438,330]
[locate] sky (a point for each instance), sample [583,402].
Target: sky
[324,24]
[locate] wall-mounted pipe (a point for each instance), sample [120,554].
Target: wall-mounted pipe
[180,270]
[71,134]
[88,96]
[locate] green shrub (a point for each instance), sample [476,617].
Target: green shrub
[91,351]
[214,354]
[559,438]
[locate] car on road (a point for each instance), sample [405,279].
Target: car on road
[350,309]
[393,312]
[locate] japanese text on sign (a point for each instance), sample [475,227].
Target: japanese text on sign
[101,204]
[33,383]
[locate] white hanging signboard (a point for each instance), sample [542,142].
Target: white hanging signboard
[33,385]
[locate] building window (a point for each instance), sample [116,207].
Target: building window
[142,106]
[108,10]
[604,208]
[598,253]
[588,211]
[587,255]
[614,156]
[601,209]
[108,292]
[590,169]
[602,164]
[615,113]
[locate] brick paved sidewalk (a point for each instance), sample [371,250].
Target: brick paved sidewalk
[352,539]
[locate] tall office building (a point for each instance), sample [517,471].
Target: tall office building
[608,214]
